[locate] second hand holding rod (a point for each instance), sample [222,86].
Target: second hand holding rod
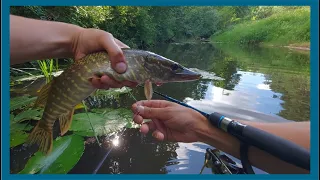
[275,145]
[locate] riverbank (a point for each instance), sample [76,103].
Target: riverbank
[303,48]
[289,29]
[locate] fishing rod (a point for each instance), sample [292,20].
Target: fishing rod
[275,145]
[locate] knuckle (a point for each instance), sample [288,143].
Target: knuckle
[117,54]
[109,34]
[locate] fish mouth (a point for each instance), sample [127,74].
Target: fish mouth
[188,75]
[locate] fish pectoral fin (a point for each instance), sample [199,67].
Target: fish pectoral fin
[65,121]
[79,106]
[148,91]
[43,95]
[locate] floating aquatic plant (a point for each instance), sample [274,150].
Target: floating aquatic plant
[102,124]
[21,102]
[66,152]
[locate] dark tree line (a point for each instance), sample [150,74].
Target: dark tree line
[146,26]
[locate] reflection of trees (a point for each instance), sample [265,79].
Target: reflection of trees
[286,72]
[234,80]
[195,90]
[205,57]
[296,95]
[137,154]
[256,58]
[227,69]
[189,55]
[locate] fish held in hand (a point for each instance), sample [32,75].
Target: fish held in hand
[60,96]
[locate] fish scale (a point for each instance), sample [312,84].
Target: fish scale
[63,93]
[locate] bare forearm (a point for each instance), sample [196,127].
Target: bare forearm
[295,132]
[32,39]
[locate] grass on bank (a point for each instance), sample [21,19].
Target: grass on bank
[286,28]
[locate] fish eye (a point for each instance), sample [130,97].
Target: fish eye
[174,67]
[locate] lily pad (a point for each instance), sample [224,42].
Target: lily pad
[34,114]
[21,101]
[17,138]
[108,122]
[65,154]
[19,127]
[17,134]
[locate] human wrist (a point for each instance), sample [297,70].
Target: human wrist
[204,130]
[69,40]
[217,138]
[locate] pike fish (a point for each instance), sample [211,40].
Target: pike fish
[60,96]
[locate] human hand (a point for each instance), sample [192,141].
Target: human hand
[170,121]
[87,41]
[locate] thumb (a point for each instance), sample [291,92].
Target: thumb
[150,113]
[117,59]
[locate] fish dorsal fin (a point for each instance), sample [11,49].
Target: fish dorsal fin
[43,95]
[148,91]
[65,121]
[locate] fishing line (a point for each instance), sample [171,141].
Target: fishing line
[108,152]
[132,95]
[95,134]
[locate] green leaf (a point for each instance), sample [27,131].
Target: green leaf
[17,138]
[84,133]
[109,122]
[19,127]
[17,134]
[11,117]
[65,154]
[21,101]
[28,114]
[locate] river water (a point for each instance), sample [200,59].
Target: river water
[264,84]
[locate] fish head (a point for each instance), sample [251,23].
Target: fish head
[160,69]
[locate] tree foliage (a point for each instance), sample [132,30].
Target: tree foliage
[143,26]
